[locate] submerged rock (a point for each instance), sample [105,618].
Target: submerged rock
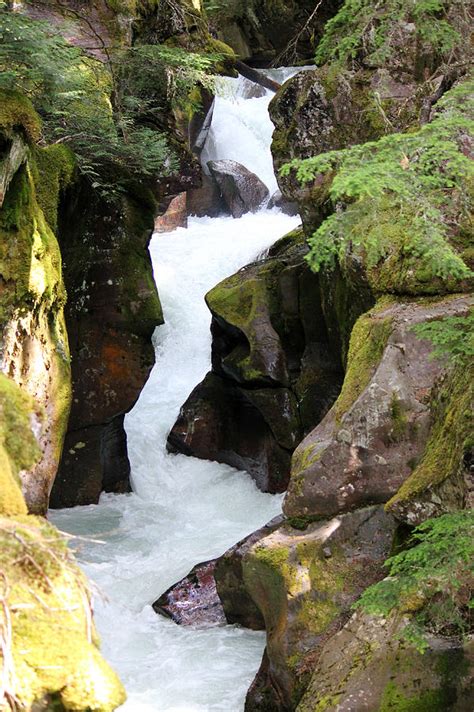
[242,190]
[286,206]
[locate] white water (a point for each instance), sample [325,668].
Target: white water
[183,510]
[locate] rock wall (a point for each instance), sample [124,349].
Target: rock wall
[262,31]
[34,349]
[112,311]
[49,653]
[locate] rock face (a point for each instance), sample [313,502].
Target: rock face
[241,190]
[375,434]
[304,583]
[239,607]
[34,349]
[44,593]
[274,371]
[194,599]
[366,667]
[259,31]
[112,311]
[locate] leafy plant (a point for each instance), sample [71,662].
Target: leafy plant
[368,29]
[433,580]
[397,194]
[111,114]
[452,337]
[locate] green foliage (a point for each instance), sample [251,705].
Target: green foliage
[433,579]
[396,194]
[363,27]
[452,337]
[113,114]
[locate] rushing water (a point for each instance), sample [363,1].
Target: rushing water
[183,510]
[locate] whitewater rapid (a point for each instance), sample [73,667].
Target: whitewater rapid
[183,511]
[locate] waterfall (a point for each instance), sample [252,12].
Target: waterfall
[183,511]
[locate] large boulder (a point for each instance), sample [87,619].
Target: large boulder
[34,349]
[50,655]
[304,583]
[373,438]
[368,666]
[241,190]
[274,371]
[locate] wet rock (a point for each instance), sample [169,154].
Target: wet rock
[305,597]
[366,666]
[286,206]
[260,30]
[194,599]
[206,200]
[370,442]
[273,371]
[238,605]
[242,190]
[112,311]
[220,422]
[176,215]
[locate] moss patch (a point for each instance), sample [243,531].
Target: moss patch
[451,435]
[17,112]
[52,649]
[367,344]
[53,169]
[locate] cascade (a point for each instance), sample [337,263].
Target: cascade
[182,511]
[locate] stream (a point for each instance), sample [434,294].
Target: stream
[183,510]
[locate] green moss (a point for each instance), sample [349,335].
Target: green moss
[303,459]
[52,650]
[17,112]
[53,168]
[327,702]
[17,439]
[394,700]
[30,260]
[399,419]
[368,341]
[274,557]
[453,420]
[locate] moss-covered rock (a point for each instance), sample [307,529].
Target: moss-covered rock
[274,372]
[437,484]
[369,665]
[34,348]
[48,652]
[370,442]
[264,30]
[18,447]
[304,583]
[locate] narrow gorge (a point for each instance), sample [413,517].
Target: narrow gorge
[236,388]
